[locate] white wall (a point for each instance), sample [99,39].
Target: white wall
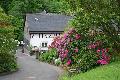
[37,40]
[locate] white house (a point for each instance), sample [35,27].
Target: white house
[41,28]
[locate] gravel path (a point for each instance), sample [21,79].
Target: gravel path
[31,69]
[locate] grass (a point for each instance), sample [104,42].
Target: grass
[107,72]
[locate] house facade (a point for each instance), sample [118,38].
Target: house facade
[42,39]
[41,28]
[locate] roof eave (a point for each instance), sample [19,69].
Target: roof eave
[35,32]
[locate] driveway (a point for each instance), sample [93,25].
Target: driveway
[31,69]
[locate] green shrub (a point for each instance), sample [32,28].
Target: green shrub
[7,51]
[7,62]
[8,45]
[80,51]
[49,56]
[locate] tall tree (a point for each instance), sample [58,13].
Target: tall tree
[103,14]
[57,6]
[5,4]
[21,7]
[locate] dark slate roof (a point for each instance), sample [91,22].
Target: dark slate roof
[47,22]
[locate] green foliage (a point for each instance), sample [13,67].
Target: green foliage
[18,31]
[98,14]
[7,62]
[85,59]
[7,51]
[48,56]
[8,45]
[57,6]
[58,62]
[5,4]
[17,8]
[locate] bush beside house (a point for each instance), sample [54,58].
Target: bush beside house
[48,56]
[80,51]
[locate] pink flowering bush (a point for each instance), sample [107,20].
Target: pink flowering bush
[81,51]
[102,53]
[104,57]
[72,49]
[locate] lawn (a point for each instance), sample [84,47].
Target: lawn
[107,72]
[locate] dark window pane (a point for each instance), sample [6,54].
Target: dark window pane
[42,35]
[45,44]
[42,44]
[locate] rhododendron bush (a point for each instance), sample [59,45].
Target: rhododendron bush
[77,50]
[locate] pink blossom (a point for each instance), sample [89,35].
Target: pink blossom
[62,40]
[65,44]
[71,31]
[71,39]
[98,51]
[102,61]
[65,35]
[58,42]
[92,46]
[65,55]
[105,58]
[77,36]
[69,62]
[66,51]
[103,51]
[76,50]
[62,55]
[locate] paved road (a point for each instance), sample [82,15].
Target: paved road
[31,69]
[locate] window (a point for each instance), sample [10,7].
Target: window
[31,35]
[50,36]
[39,35]
[44,44]
[42,35]
[45,36]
